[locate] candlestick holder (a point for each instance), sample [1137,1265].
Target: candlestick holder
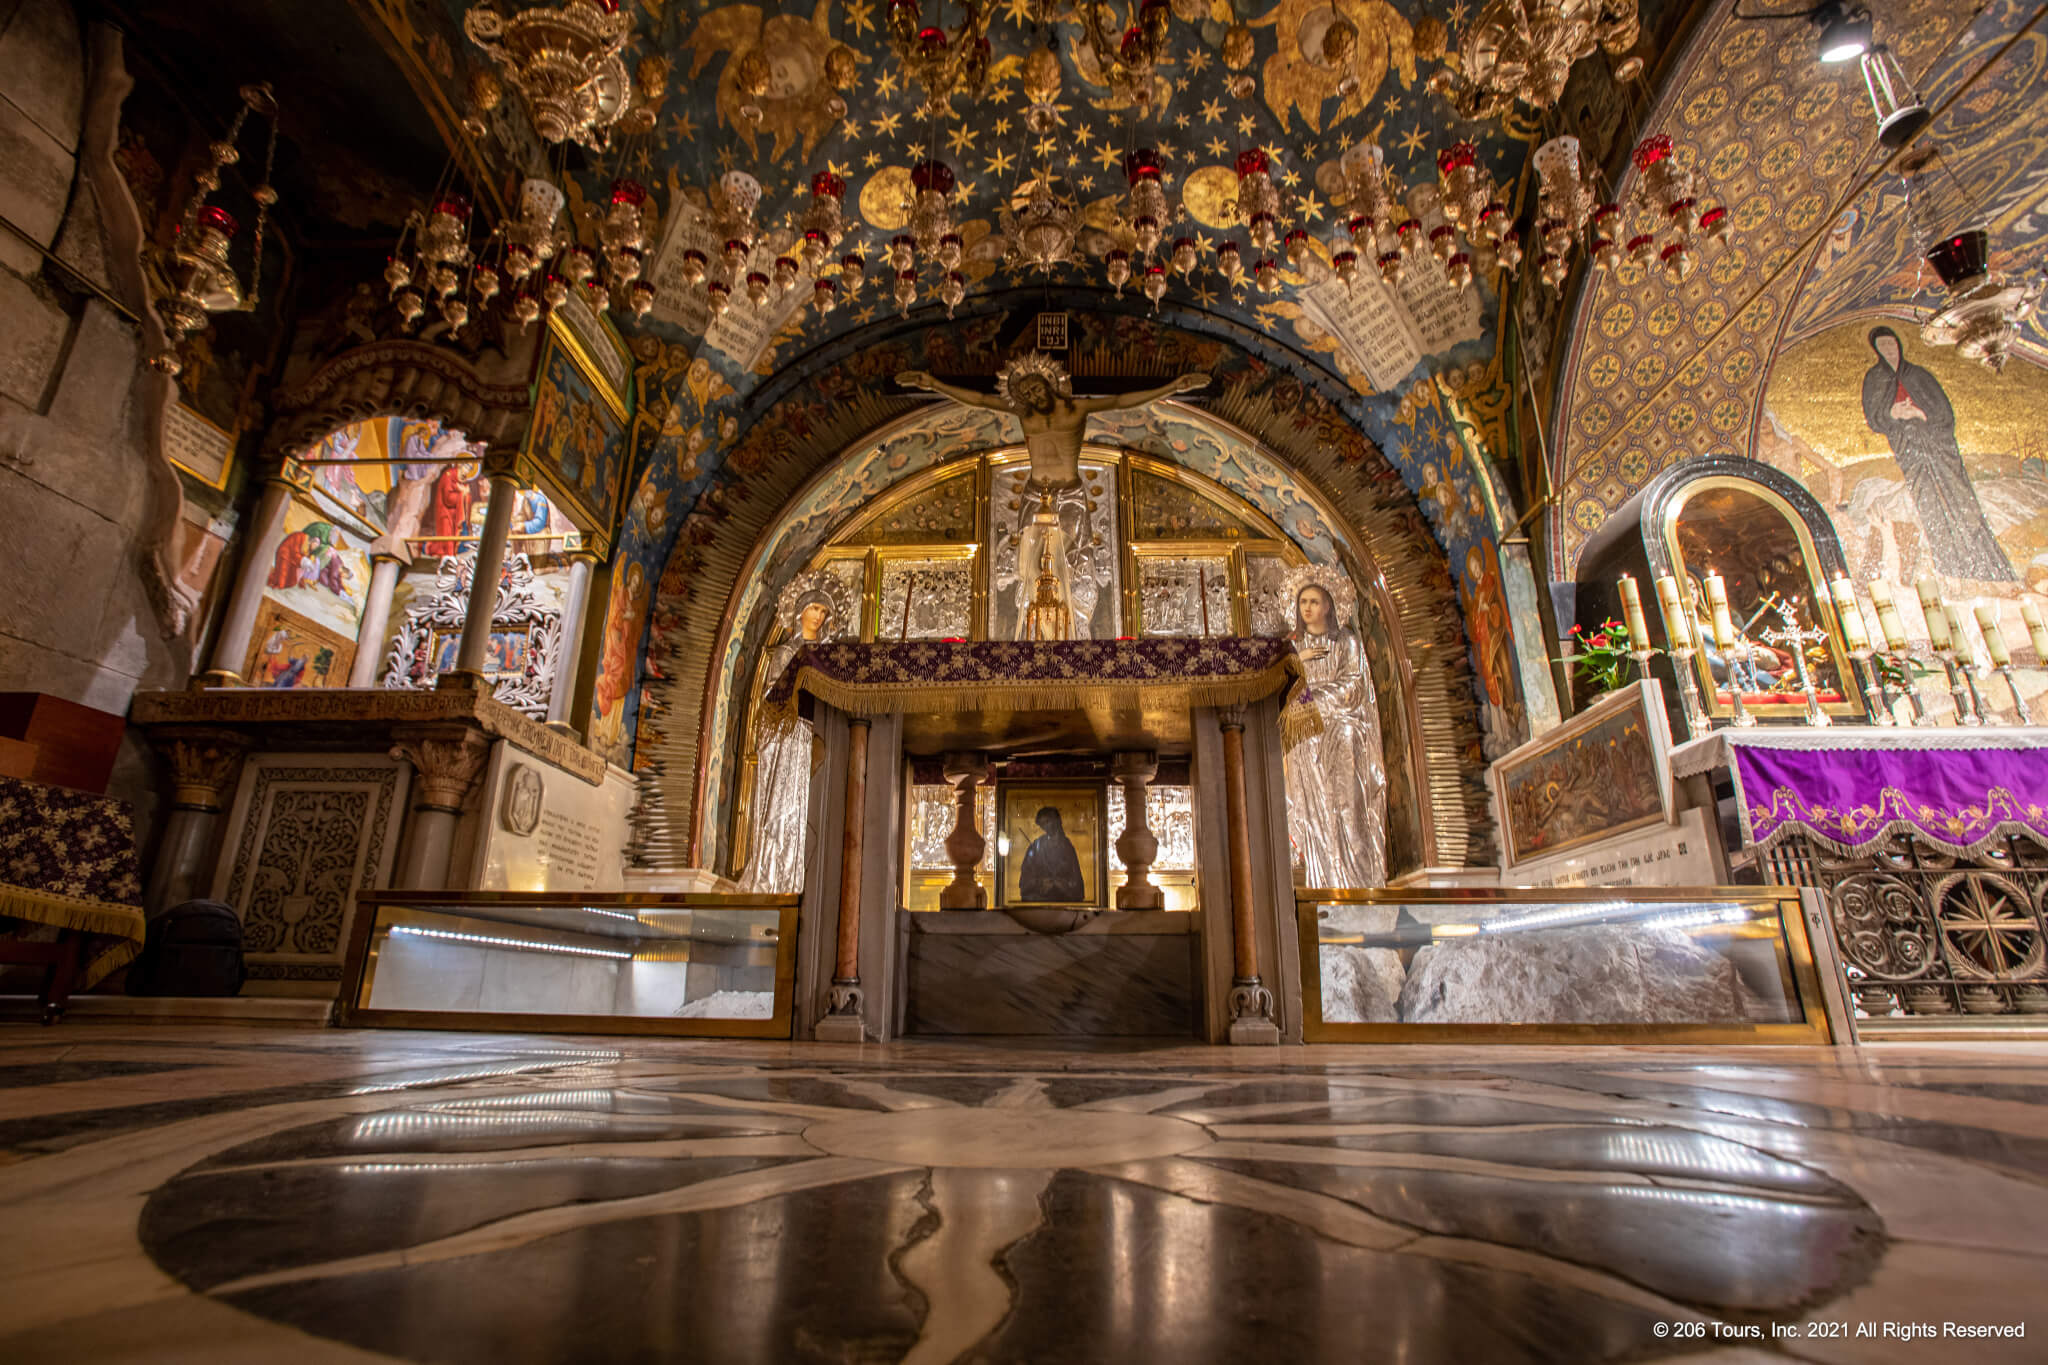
[1737,657]
[1981,713]
[1905,661]
[1873,687]
[1697,721]
[1961,687]
[2019,704]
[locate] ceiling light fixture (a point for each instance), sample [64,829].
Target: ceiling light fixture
[1844,31]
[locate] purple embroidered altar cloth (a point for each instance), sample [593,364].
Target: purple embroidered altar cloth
[999,675]
[67,861]
[1850,790]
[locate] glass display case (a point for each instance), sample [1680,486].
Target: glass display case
[1719,964]
[573,962]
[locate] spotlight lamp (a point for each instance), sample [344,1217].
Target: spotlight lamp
[1844,31]
[1844,27]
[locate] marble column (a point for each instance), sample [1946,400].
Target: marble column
[569,652]
[384,571]
[842,1021]
[204,766]
[238,626]
[447,761]
[965,845]
[1137,846]
[483,582]
[1251,1004]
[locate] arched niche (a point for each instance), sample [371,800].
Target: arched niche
[1225,467]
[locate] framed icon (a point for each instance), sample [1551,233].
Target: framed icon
[1050,844]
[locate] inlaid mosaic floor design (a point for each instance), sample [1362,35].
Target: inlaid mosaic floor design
[231,1194]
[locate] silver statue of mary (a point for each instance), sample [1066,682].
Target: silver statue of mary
[1336,775]
[816,607]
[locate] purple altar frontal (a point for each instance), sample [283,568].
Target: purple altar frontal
[1850,789]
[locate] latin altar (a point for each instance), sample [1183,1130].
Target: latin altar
[1041,942]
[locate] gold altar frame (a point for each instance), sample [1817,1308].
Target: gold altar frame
[1805,979]
[1851,707]
[360,970]
[1038,788]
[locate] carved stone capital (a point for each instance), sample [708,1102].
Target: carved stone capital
[486,399]
[1230,717]
[449,760]
[204,765]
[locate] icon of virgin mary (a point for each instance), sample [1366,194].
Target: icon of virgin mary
[1906,405]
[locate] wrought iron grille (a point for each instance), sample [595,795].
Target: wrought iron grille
[1923,934]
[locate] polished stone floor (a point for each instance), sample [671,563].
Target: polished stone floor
[241,1194]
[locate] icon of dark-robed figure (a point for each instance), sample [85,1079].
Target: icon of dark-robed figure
[1052,870]
[1906,405]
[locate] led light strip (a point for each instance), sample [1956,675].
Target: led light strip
[413,931]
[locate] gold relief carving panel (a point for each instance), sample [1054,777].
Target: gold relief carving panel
[1184,595]
[1166,510]
[940,514]
[926,599]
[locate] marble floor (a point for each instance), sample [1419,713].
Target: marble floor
[240,1194]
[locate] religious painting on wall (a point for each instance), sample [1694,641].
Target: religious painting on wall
[1601,773]
[319,571]
[1336,772]
[625,615]
[577,442]
[1930,466]
[1050,848]
[289,651]
[1484,598]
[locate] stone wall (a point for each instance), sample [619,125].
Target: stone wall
[77,496]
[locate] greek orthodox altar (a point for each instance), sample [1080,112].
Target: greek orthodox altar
[1050,724]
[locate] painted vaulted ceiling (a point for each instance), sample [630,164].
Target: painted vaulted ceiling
[1654,372]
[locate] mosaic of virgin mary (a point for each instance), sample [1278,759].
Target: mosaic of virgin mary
[1907,406]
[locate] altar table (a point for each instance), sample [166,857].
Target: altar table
[67,861]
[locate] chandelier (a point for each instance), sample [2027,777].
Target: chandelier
[564,61]
[768,266]
[1514,50]
[202,277]
[1127,61]
[944,62]
[1042,236]
[1983,309]
[1665,215]
[1425,232]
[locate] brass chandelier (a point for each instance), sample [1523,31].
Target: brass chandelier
[564,61]
[202,276]
[1981,310]
[1516,50]
[944,62]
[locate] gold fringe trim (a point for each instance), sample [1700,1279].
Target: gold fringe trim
[995,697]
[59,911]
[1300,720]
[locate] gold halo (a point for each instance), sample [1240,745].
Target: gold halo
[884,200]
[1038,363]
[1210,195]
[1328,577]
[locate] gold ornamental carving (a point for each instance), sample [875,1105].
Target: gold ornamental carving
[204,765]
[448,758]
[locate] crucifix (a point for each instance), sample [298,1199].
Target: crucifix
[1794,639]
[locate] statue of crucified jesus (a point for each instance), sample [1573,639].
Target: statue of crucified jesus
[1036,391]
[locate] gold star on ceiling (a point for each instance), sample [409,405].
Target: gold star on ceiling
[1087,183]
[1391,105]
[1047,146]
[860,16]
[1310,208]
[960,139]
[1217,147]
[1002,126]
[1245,124]
[1018,12]
[1084,135]
[1212,110]
[887,123]
[685,130]
[1180,120]
[1197,59]
[871,160]
[1000,163]
[1413,141]
[1106,156]
[885,84]
[725,158]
